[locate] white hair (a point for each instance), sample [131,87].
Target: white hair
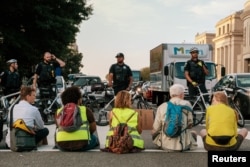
[176,90]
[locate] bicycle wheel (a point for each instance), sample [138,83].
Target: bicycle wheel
[198,112]
[89,104]
[142,105]
[47,115]
[241,120]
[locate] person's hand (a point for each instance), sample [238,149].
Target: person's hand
[110,84]
[200,63]
[53,57]
[194,83]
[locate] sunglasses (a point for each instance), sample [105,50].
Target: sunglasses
[194,52]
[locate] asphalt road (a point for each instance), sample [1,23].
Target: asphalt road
[151,157]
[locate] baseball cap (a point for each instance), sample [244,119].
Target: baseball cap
[11,61]
[119,55]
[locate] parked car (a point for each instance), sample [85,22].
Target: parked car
[72,77]
[86,81]
[60,84]
[240,83]
[147,88]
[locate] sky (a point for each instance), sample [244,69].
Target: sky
[134,27]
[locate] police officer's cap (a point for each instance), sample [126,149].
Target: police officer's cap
[194,49]
[11,61]
[119,55]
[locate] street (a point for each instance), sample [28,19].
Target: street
[151,156]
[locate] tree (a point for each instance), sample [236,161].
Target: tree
[30,27]
[145,73]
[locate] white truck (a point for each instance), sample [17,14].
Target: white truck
[167,68]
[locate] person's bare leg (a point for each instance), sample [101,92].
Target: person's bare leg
[243,132]
[203,133]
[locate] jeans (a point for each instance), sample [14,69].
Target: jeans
[93,142]
[41,134]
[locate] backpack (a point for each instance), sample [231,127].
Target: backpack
[173,120]
[70,118]
[121,141]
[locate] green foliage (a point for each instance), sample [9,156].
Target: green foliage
[31,27]
[145,73]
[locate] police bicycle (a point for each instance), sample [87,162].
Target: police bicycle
[100,99]
[199,106]
[48,102]
[7,104]
[137,101]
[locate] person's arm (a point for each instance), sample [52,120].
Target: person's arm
[130,78]
[110,79]
[91,119]
[205,69]
[186,73]
[139,127]
[130,83]
[38,120]
[157,125]
[59,61]
[110,118]
[34,81]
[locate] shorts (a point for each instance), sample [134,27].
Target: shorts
[208,147]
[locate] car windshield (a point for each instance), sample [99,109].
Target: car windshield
[243,80]
[84,81]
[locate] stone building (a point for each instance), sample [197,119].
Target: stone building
[231,41]
[245,54]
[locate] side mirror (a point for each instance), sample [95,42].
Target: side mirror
[166,70]
[223,71]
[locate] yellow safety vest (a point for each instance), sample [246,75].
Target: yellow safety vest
[123,115]
[81,134]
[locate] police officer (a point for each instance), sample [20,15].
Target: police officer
[10,79]
[45,77]
[195,73]
[120,75]
[45,72]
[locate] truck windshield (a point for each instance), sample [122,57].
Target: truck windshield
[179,70]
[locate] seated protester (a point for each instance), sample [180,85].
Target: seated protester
[121,113]
[221,126]
[30,114]
[187,139]
[83,138]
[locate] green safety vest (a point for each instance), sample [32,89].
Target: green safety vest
[123,115]
[81,134]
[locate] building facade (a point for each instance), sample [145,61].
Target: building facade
[245,54]
[231,41]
